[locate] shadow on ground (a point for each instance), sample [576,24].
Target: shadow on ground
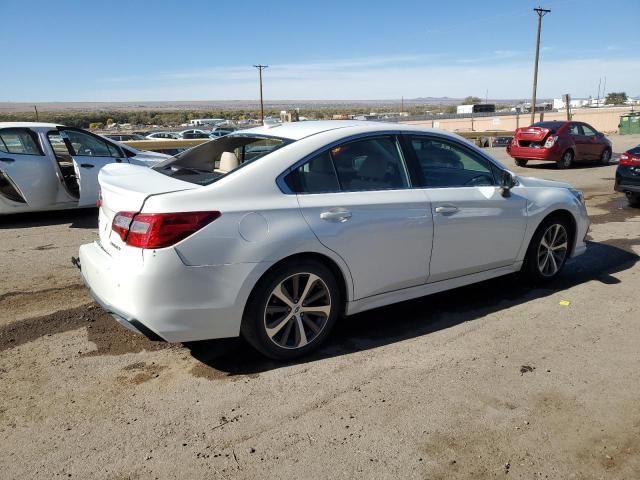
[79,218]
[422,316]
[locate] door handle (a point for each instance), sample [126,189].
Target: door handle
[445,209]
[336,215]
[87,165]
[7,160]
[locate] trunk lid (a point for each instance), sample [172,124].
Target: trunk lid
[125,188]
[532,136]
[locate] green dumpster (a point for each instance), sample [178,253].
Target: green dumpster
[629,123]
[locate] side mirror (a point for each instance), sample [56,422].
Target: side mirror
[507,182]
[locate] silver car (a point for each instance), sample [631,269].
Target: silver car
[275,233]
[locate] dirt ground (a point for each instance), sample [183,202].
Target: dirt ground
[491,380]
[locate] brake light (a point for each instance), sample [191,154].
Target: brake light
[550,141]
[158,230]
[99,201]
[629,160]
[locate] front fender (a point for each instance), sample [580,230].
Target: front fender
[542,202]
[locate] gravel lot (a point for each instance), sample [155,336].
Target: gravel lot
[486,381]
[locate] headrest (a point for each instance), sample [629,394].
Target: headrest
[228,162]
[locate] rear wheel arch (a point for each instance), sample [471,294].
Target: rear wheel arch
[277,320]
[561,163]
[338,273]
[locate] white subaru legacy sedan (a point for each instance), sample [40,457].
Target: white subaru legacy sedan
[275,233]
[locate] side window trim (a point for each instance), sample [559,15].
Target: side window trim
[30,133]
[394,134]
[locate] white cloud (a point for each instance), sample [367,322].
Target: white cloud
[379,78]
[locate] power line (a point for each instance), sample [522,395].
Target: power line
[541,12]
[260,68]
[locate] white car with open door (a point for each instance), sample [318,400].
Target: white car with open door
[274,233]
[45,166]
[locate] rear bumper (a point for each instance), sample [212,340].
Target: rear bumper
[627,179]
[528,153]
[164,299]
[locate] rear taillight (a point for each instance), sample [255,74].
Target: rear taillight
[551,141]
[158,230]
[629,160]
[99,201]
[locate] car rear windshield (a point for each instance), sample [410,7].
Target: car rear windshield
[635,150]
[553,126]
[211,161]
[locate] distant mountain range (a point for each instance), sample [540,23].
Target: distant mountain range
[230,104]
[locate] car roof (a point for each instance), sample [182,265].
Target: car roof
[29,125]
[299,130]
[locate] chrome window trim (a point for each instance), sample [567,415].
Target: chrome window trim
[284,188]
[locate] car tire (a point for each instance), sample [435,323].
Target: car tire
[283,327]
[605,157]
[521,162]
[633,199]
[546,256]
[566,160]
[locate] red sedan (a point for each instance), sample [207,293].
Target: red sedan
[560,142]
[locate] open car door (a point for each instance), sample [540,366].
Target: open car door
[89,153]
[27,176]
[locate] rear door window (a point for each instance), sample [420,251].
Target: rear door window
[575,130]
[362,165]
[19,142]
[371,164]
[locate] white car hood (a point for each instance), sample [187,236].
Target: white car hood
[541,183]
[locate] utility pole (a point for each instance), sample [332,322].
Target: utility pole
[36,109]
[541,12]
[604,90]
[598,98]
[402,105]
[260,68]
[567,101]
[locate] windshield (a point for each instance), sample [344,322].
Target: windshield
[213,160]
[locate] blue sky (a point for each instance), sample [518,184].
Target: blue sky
[325,49]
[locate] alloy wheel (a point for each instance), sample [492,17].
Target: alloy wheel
[297,310]
[552,250]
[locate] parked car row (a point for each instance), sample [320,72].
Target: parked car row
[45,166]
[190,134]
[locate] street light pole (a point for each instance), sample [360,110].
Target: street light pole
[541,12]
[260,68]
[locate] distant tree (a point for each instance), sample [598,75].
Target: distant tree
[471,100]
[94,125]
[616,98]
[450,109]
[109,121]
